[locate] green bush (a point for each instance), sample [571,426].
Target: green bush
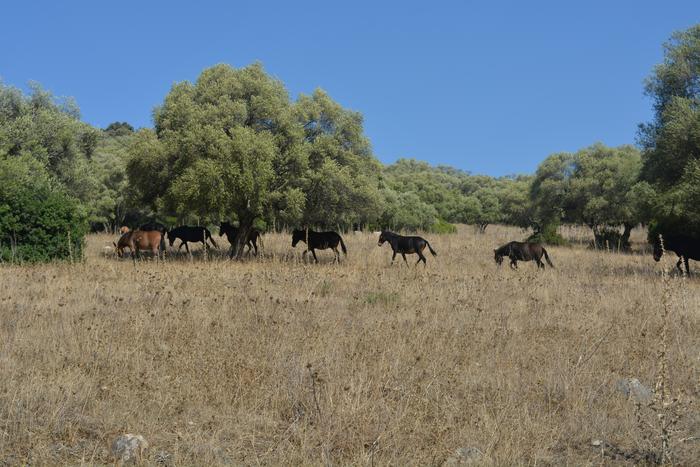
[547,234]
[442,227]
[39,221]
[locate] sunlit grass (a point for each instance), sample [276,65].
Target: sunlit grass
[277,361]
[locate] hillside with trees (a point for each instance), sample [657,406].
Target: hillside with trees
[234,146]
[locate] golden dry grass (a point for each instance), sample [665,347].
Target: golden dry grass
[274,361]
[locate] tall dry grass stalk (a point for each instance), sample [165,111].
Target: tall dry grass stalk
[660,430]
[273,360]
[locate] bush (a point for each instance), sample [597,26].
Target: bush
[547,234]
[39,221]
[442,227]
[608,238]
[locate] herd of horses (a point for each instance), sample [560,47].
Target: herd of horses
[151,237]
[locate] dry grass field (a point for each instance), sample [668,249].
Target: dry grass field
[275,361]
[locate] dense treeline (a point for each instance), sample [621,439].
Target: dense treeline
[234,146]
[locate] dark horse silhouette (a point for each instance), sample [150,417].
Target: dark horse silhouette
[521,251]
[403,245]
[685,247]
[319,241]
[231,233]
[150,226]
[188,233]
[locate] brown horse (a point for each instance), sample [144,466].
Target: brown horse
[520,251]
[139,240]
[124,241]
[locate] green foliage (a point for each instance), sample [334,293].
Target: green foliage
[442,227]
[406,211]
[594,186]
[117,129]
[39,221]
[671,142]
[457,196]
[342,180]
[49,130]
[109,203]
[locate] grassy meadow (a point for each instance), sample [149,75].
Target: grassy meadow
[276,361]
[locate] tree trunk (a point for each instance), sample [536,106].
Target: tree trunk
[245,227]
[626,236]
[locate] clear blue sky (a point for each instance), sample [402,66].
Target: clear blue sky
[490,87]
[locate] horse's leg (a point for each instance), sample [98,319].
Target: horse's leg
[513,263]
[313,252]
[404,258]
[687,268]
[393,257]
[678,264]
[421,258]
[336,255]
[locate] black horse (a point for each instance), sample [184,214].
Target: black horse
[685,247]
[319,241]
[403,245]
[521,251]
[187,233]
[231,233]
[150,226]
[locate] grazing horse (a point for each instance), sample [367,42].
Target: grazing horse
[137,240]
[521,251]
[124,242]
[231,233]
[157,226]
[403,245]
[151,240]
[319,241]
[685,247]
[187,233]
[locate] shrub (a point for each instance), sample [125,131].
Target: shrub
[39,221]
[442,227]
[547,234]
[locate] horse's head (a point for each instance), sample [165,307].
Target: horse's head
[382,239]
[223,228]
[297,236]
[171,237]
[497,257]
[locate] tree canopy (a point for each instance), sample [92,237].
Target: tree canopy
[233,144]
[671,142]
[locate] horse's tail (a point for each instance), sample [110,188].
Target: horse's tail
[208,234]
[342,246]
[546,257]
[433,252]
[162,243]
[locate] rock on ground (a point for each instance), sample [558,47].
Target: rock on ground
[129,448]
[464,456]
[631,388]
